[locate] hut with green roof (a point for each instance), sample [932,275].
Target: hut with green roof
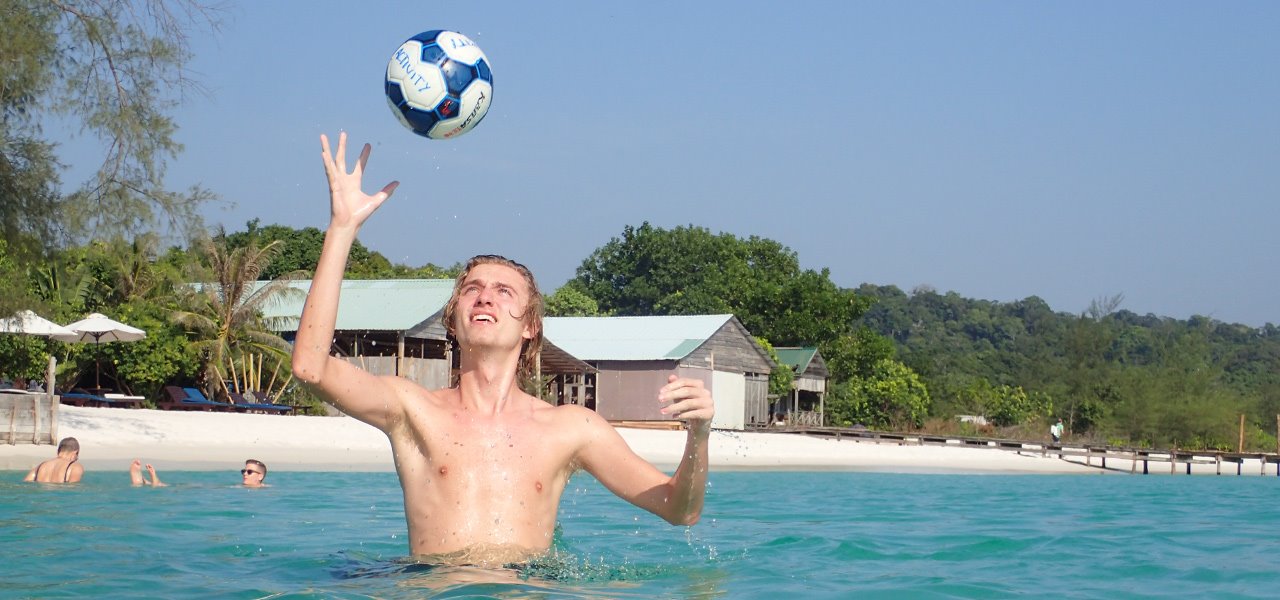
[807,403]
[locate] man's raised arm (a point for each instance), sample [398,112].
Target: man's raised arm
[357,392]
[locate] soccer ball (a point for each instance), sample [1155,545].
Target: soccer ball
[439,84]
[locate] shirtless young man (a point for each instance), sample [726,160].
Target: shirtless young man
[483,464]
[62,468]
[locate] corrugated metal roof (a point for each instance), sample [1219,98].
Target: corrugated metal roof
[797,358]
[632,338]
[373,304]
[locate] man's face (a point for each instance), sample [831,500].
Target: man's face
[252,475]
[490,309]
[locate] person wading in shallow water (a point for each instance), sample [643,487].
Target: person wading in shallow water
[63,468]
[483,464]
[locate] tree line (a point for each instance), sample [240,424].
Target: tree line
[898,360]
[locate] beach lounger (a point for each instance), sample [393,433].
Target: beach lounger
[124,401]
[248,403]
[82,399]
[197,396]
[178,398]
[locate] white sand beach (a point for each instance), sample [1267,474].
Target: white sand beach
[111,437]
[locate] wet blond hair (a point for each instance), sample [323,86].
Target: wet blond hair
[532,311]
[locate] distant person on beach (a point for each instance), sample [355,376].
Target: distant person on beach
[63,468]
[136,477]
[483,465]
[254,473]
[1055,431]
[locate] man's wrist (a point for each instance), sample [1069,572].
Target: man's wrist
[699,426]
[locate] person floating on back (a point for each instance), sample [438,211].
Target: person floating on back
[63,468]
[482,465]
[137,479]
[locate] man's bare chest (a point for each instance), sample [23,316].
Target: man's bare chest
[488,456]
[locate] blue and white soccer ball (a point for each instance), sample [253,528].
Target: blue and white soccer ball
[439,84]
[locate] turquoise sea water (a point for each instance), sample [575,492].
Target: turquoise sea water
[763,535]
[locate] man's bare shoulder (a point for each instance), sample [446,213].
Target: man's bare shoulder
[572,417]
[410,402]
[410,391]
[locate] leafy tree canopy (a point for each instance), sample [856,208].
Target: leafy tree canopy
[300,252]
[128,61]
[689,270]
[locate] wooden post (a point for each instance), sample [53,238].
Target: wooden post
[35,419]
[53,401]
[235,377]
[1240,447]
[280,392]
[400,355]
[1219,460]
[274,371]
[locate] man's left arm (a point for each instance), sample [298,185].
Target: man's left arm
[677,498]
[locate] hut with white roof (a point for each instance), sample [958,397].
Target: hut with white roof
[632,357]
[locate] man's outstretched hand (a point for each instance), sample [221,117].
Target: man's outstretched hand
[349,205]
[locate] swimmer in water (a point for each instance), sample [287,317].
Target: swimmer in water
[483,465]
[137,479]
[63,468]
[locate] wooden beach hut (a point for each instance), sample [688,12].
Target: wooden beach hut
[633,356]
[384,326]
[807,403]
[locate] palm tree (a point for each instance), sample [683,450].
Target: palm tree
[224,317]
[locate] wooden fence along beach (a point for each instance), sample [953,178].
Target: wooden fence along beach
[29,418]
[1090,453]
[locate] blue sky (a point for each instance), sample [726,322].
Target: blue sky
[1071,151]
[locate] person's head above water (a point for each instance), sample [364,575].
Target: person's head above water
[506,286]
[253,473]
[69,446]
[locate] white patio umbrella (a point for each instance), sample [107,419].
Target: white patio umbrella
[29,323]
[98,328]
